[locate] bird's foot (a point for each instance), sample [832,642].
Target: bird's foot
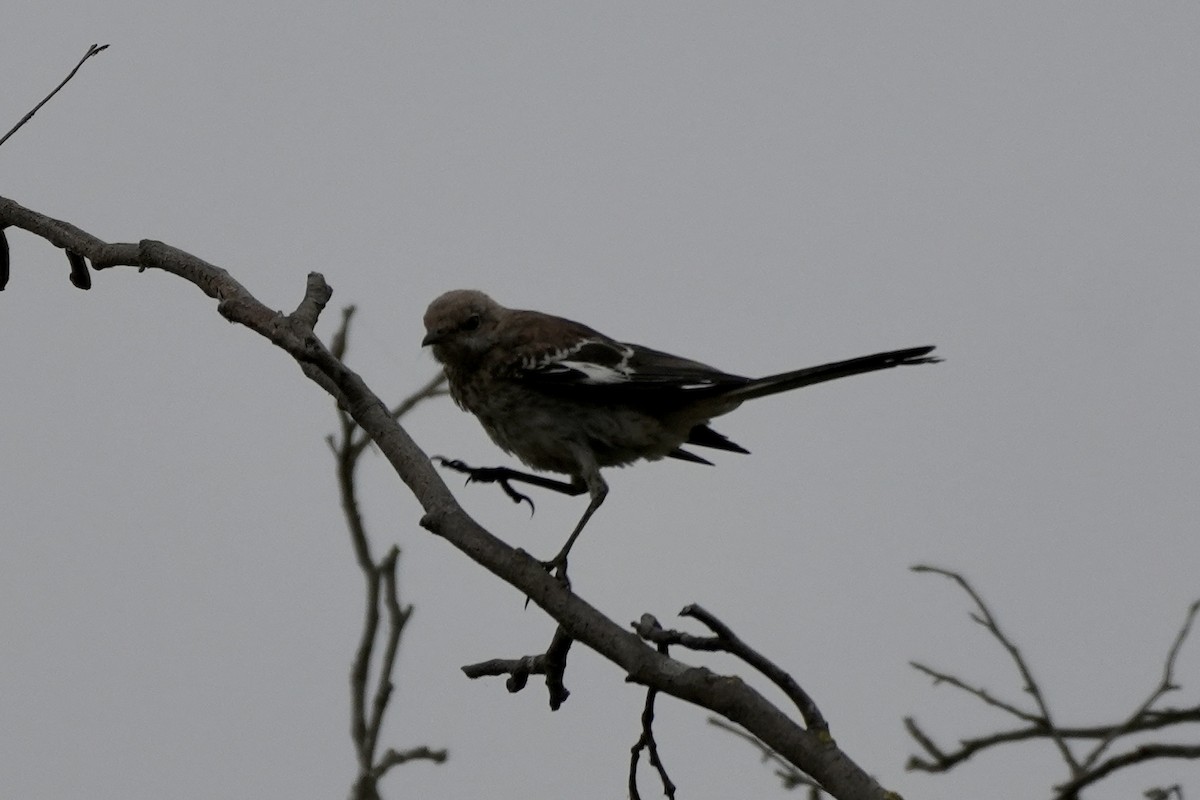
[557,567]
[498,475]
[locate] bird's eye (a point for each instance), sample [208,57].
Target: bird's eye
[471,323]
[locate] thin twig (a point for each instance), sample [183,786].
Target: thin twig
[397,619]
[1167,684]
[1094,767]
[650,629]
[1147,752]
[984,617]
[981,693]
[93,50]
[726,641]
[814,720]
[941,761]
[787,773]
[434,387]
[393,758]
[1164,793]
[360,670]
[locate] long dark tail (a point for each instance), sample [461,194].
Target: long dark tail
[786,381]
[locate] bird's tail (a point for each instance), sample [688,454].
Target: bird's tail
[786,381]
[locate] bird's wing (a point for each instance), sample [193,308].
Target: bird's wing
[612,371]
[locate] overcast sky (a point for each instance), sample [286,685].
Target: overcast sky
[760,186]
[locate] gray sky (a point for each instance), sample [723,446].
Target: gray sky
[758,186]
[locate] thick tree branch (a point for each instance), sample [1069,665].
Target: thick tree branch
[814,753]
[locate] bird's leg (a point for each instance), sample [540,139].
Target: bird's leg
[599,490]
[589,481]
[502,476]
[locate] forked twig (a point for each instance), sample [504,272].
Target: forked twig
[983,616]
[647,742]
[1083,771]
[727,641]
[1167,684]
[381,592]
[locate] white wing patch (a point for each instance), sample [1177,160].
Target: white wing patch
[612,368]
[597,373]
[605,363]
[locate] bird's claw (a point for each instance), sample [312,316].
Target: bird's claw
[513,494]
[487,475]
[557,567]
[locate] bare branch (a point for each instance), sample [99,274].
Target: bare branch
[518,669]
[984,617]
[981,693]
[380,585]
[647,742]
[394,758]
[813,718]
[360,725]
[649,628]
[80,277]
[941,761]
[1167,684]
[552,664]
[728,642]
[436,387]
[4,259]
[91,51]
[733,699]
[397,618]
[1147,752]
[787,773]
[1093,767]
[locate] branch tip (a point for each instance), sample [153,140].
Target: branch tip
[91,51]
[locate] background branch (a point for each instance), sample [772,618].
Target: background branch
[381,592]
[1083,771]
[983,616]
[1167,684]
[787,773]
[91,51]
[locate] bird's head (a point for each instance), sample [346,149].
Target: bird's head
[461,325]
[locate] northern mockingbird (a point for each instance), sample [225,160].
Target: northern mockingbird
[564,398]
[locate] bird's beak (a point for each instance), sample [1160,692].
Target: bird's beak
[433,337]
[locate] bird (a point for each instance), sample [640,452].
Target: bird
[567,399]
